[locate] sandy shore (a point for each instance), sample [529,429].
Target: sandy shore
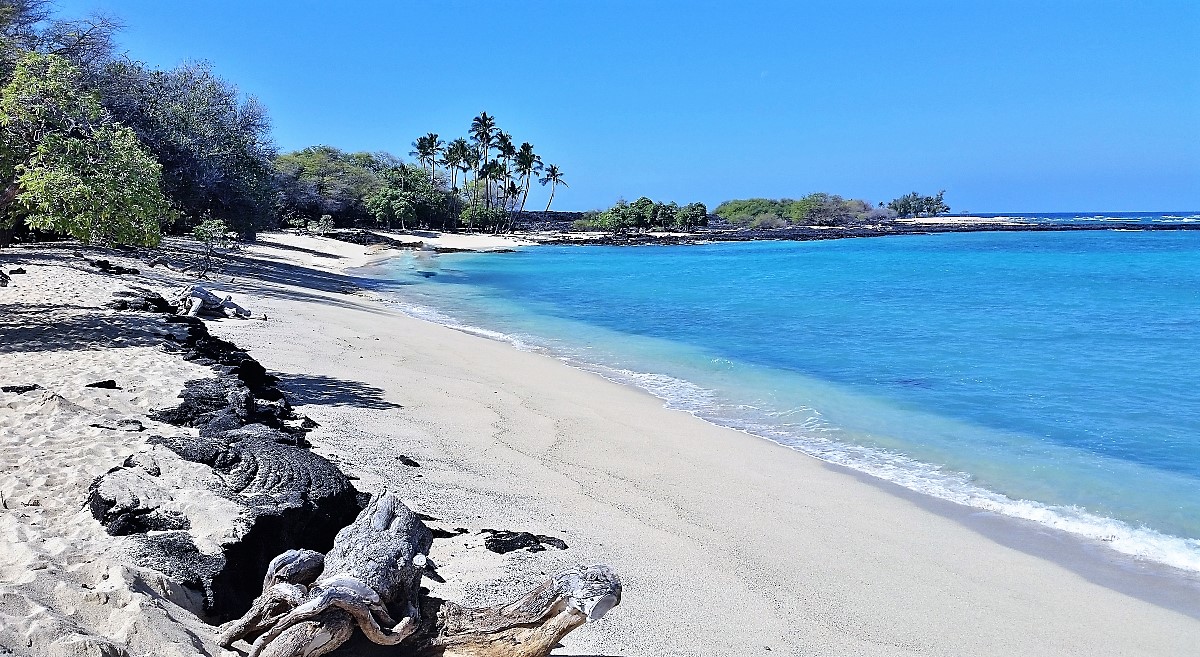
[727,544]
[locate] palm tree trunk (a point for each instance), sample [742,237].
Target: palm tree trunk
[553,186]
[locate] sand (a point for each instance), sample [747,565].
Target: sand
[727,544]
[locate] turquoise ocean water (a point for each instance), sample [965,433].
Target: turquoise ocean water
[1048,376]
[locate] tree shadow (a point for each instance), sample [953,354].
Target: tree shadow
[322,390]
[300,249]
[34,327]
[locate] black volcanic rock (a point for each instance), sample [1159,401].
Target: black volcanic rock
[20,389]
[502,541]
[107,384]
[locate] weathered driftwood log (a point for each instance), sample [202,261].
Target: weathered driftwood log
[529,626]
[372,575]
[193,300]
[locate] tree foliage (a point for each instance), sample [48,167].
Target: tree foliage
[818,209]
[67,167]
[214,145]
[29,26]
[406,198]
[645,214]
[322,180]
[915,205]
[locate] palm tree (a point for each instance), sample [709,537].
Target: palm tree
[553,177]
[505,148]
[483,131]
[528,162]
[427,149]
[457,153]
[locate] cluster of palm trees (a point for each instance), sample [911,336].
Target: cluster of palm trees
[503,180]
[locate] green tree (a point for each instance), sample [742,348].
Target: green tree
[322,180]
[690,216]
[427,150]
[212,233]
[483,132]
[457,157]
[215,146]
[528,163]
[553,178]
[915,205]
[67,167]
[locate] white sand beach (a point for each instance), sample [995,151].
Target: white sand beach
[727,544]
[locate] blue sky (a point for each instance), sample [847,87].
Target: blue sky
[1008,105]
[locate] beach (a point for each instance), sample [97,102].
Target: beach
[726,543]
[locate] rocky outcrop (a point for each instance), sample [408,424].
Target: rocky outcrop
[212,510]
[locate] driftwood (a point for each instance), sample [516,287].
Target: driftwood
[193,300]
[371,577]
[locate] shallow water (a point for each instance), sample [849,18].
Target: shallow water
[1048,376]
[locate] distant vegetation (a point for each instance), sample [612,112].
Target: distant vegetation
[474,183]
[915,205]
[645,214]
[826,210]
[812,210]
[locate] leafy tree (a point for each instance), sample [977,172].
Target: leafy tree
[915,205]
[214,146]
[212,233]
[408,198]
[322,180]
[553,178]
[817,209]
[743,210]
[478,217]
[690,216]
[28,26]
[65,166]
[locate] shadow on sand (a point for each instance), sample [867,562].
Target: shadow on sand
[324,390]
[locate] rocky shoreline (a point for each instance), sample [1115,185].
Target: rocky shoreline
[813,233]
[202,510]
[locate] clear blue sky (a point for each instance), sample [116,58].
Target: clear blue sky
[1039,105]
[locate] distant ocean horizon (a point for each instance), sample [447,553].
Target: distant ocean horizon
[1049,376]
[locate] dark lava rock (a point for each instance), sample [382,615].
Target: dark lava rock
[367,238]
[176,554]
[107,384]
[291,498]
[408,461]
[18,270]
[447,533]
[140,299]
[109,268]
[502,541]
[254,446]
[20,390]
[114,501]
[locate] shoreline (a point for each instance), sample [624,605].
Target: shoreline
[737,444]
[1118,542]
[926,226]
[1159,583]
[727,545]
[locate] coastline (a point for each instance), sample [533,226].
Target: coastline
[455,342]
[727,544]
